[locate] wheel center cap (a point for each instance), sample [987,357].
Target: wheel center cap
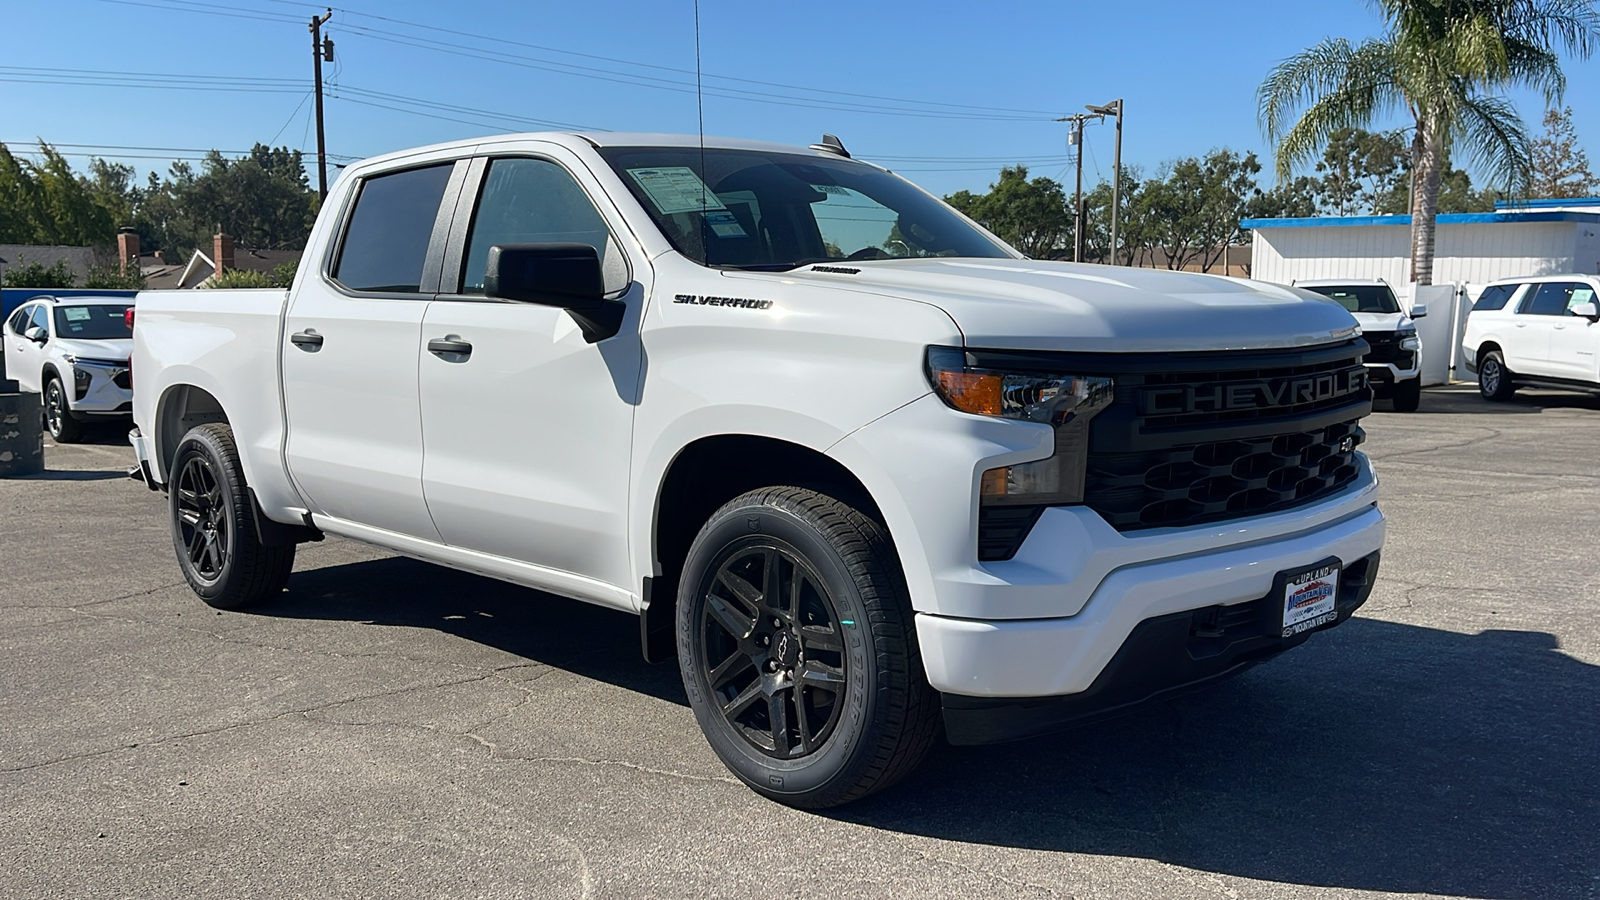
[785,649]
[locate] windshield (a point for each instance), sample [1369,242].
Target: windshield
[1367,298]
[98,322]
[775,211]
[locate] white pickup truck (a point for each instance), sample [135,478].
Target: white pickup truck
[865,471]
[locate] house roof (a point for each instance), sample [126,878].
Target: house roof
[200,268]
[79,259]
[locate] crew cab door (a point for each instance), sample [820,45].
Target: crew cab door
[350,344]
[526,426]
[1574,339]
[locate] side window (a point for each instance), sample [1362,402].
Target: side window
[18,323]
[41,317]
[1495,296]
[386,242]
[1550,300]
[1581,293]
[528,201]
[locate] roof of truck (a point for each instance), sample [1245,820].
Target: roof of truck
[604,139]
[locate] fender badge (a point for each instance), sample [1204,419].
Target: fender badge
[741,302]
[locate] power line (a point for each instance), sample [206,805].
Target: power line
[112,147]
[610,75]
[498,40]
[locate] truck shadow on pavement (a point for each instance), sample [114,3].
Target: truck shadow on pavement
[1458,401]
[1379,756]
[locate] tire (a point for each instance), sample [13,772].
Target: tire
[1494,379]
[1407,395]
[836,648]
[213,524]
[58,420]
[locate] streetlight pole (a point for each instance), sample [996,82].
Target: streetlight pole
[319,52]
[1114,108]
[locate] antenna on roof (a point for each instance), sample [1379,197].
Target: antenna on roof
[831,144]
[700,107]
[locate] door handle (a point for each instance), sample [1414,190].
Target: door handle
[307,340]
[452,346]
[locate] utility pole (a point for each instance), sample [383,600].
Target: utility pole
[321,49]
[1109,109]
[1076,140]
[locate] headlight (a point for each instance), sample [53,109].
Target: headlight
[1410,343]
[1063,401]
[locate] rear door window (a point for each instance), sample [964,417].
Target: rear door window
[386,241]
[1550,299]
[18,323]
[1495,296]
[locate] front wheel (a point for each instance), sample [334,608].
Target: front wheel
[1494,379]
[1408,395]
[58,420]
[797,650]
[213,524]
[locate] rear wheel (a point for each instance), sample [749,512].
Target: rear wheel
[1494,379]
[213,524]
[58,420]
[1408,395]
[796,646]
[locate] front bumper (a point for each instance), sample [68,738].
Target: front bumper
[1384,376]
[102,396]
[1162,657]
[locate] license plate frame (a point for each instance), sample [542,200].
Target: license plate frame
[1308,598]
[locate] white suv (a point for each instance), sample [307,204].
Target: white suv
[1393,363]
[1536,331]
[74,351]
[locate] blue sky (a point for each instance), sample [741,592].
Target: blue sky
[1187,71]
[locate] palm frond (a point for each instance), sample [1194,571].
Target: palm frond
[1494,138]
[1338,85]
[1570,25]
[1536,67]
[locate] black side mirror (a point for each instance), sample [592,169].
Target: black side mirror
[563,275]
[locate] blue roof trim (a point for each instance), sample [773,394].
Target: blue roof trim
[1494,218]
[1546,204]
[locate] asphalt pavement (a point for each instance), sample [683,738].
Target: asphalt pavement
[391,729]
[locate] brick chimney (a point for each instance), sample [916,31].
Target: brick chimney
[222,252]
[127,249]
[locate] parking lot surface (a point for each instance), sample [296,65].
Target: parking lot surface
[391,729]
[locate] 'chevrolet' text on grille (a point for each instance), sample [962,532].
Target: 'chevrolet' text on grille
[1178,399]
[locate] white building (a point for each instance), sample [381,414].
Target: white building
[1536,237]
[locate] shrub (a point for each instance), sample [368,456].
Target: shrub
[39,275]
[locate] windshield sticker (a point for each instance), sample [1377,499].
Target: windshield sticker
[676,189]
[724,225]
[832,189]
[75,313]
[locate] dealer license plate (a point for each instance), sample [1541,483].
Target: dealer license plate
[1309,598]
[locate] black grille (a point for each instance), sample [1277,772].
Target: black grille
[1195,483]
[1386,349]
[1205,437]
[123,379]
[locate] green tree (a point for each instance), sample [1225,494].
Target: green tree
[113,278]
[1443,62]
[46,202]
[1032,216]
[1358,167]
[38,275]
[1560,167]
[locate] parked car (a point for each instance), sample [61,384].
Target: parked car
[862,468]
[1538,331]
[76,353]
[1394,363]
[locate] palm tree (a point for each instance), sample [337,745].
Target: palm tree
[1443,62]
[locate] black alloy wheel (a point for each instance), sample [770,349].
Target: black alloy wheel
[772,649]
[214,532]
[202,519]
[58,420]
[798,650]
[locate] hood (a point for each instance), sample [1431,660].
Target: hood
[113,348]
[1380,322]
[1025,304]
